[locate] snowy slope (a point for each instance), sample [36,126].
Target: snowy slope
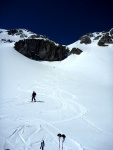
[74,97]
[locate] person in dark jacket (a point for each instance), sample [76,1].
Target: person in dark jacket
[42,145]
[33,96]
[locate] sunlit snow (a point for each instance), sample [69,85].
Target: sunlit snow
[74,97]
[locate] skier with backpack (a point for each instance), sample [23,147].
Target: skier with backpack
[33,96]
[42,145]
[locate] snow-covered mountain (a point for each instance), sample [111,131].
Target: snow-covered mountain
[74,96]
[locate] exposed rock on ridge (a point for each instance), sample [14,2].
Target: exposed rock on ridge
[76,51]
[40,49]
[106,39]
[85,39]
[103,38]
[20,32]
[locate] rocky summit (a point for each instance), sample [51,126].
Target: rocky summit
[103,38]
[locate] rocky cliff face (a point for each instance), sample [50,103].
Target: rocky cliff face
[107,38]
[103,38]
[37,47]
[41,49]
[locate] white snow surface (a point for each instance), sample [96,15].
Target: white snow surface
[74,97]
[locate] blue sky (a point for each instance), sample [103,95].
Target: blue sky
[63,21]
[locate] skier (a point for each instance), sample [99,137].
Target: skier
[33,96]
[42,145]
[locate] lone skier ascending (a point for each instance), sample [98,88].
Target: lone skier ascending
[33,96]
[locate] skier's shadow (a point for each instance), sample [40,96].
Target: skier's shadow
[40,101]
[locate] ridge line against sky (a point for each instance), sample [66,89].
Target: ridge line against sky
[62,21]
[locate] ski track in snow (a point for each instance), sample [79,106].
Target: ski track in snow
[96,127]
[63,106]
[68,109]
[24,136]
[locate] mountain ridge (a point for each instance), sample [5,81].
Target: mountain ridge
[40,47]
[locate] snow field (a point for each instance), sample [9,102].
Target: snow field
[74,97]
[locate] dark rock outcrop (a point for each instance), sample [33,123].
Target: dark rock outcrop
[7,41]
[41,49]
[12,31]
[76,51]
[17,31]
[90,34]
[101,43]
[85,39]
[23,36]
[97,32]
[106,39]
